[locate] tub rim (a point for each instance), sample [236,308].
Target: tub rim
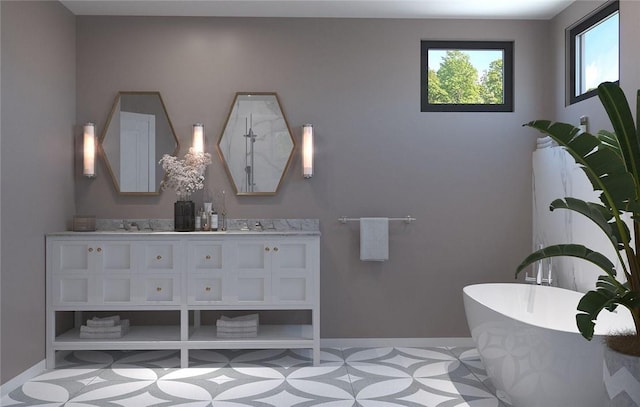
[573,328]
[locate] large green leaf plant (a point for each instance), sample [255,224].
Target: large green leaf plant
[611,161]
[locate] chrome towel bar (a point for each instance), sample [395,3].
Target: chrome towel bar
[406,219]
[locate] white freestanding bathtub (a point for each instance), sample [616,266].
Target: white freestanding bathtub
[531,348]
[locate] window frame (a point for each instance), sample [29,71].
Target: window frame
[506,47]
[589,22]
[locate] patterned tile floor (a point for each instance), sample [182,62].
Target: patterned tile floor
[367,377]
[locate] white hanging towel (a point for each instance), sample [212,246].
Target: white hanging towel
[374,239]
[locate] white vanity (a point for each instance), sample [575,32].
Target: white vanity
[186,275]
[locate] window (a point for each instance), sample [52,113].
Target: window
[466,76]
[593,53]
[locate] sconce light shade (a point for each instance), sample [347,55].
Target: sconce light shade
[89,151]
[198,138]
[307,150]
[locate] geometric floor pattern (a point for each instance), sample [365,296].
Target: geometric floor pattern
[367,377]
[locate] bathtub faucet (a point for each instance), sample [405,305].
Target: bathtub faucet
[541,267]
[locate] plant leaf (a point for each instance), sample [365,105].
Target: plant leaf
[599,214]
[608,294]
[570,250]
[610,139]
[589,307]
[604,167]
[617,108]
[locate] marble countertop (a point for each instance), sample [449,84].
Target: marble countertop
[190,234]
[158,227]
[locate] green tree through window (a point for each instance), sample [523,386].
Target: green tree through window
[457,81]
[436,93]
[491,84]
[466,76]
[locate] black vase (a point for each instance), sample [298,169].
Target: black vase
[184,216]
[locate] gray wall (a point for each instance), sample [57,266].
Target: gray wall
[629,60]
[38,118]
[466,177]
[590,107]
[629,68]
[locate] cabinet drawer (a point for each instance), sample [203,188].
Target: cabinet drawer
[158,289]
[160,256]
[209,288]
[205,256]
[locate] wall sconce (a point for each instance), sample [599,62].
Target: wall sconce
[89,151]
[307,150]
[198,138]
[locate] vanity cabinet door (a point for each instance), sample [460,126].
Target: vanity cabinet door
[158,281]
[91,273]
[251,275]
[291,271]
[72,272]
[273,271]
[115,276]
[207,272]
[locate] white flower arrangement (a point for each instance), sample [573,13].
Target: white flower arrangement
[185,176]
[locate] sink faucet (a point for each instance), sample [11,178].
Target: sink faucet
[258,226]
[541,267]
[130,226]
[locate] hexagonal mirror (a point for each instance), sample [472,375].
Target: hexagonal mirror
[256,144]
[138,133]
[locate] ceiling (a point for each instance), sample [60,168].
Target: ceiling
[492,9]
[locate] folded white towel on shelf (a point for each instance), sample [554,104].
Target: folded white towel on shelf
[107,321]
[374,239]
[237,334]
[122,326]
[105,332]
[240,329]
[250,320]
[101,335]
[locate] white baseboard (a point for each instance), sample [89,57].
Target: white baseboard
[22,378]
[394,342]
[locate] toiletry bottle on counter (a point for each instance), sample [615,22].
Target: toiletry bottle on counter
[214,219]
[208,208]
[205,221]
[199,220]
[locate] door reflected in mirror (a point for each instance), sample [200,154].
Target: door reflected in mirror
[256,144]
[137,135]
